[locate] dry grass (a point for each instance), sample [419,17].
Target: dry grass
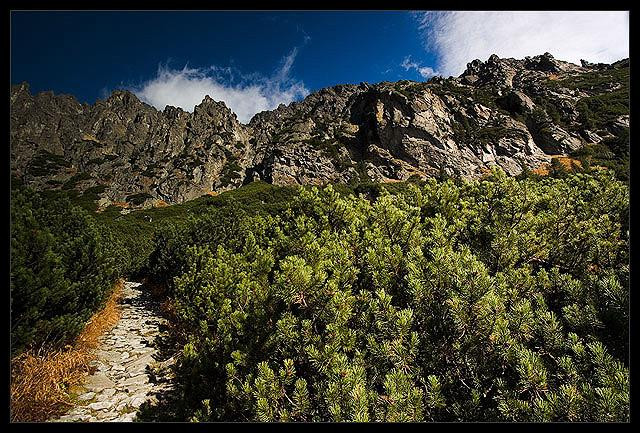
[90,137]
[568,163]
[40,383]
[542,170]
[160,203]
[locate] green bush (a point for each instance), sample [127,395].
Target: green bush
[46,163]
[139,198]
[73,180]
[62,267]
[493,300]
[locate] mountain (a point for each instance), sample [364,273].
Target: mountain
[514,113]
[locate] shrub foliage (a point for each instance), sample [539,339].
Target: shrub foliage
[498,299]
[62,267]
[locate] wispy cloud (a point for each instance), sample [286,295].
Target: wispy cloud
[244,94]
[424,71]
[300,29]
[461,36]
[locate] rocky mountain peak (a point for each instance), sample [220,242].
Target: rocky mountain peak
[209,107]
[125,98]
[495,71]
[513,113]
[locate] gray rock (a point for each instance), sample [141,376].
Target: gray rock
[98,382]
[517,102]
[101,405]
[136,402]
[106,394]
[386,131]
[87,396]
[136,380]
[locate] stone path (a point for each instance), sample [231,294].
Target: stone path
[126,372]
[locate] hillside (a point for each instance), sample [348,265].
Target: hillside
[511,113]
[452,250]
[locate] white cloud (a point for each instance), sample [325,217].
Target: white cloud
[424,71]
[244,94]
[461,36]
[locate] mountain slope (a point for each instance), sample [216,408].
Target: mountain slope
[507,112]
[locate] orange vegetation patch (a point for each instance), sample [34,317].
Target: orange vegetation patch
[40,383]
[160,203]
[485,172]
[553,77]
[211,193]
[542,170]
[123,204]
[567,162]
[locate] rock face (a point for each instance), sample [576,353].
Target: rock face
[506,112]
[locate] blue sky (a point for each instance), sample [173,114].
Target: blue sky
[256,60]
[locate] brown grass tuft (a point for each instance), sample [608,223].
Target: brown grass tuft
[40,383]
[90,137]
[568,163]
[160,203]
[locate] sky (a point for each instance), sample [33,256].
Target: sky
[254,61]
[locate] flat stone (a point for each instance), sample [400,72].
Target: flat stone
[132,389]
[119,397]
[107,393]
[86,396]
[110,357]
[136,380]
[79,410]
[143,360]
[138,345]
[121,406]
[108,415]
[98,382]
[167,363]
[137,402]
[130,417]
[101,405]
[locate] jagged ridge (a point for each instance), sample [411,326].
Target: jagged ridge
[506,112]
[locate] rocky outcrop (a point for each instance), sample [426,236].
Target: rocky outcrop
[506,112]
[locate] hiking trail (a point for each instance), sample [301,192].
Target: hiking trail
[127,371]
